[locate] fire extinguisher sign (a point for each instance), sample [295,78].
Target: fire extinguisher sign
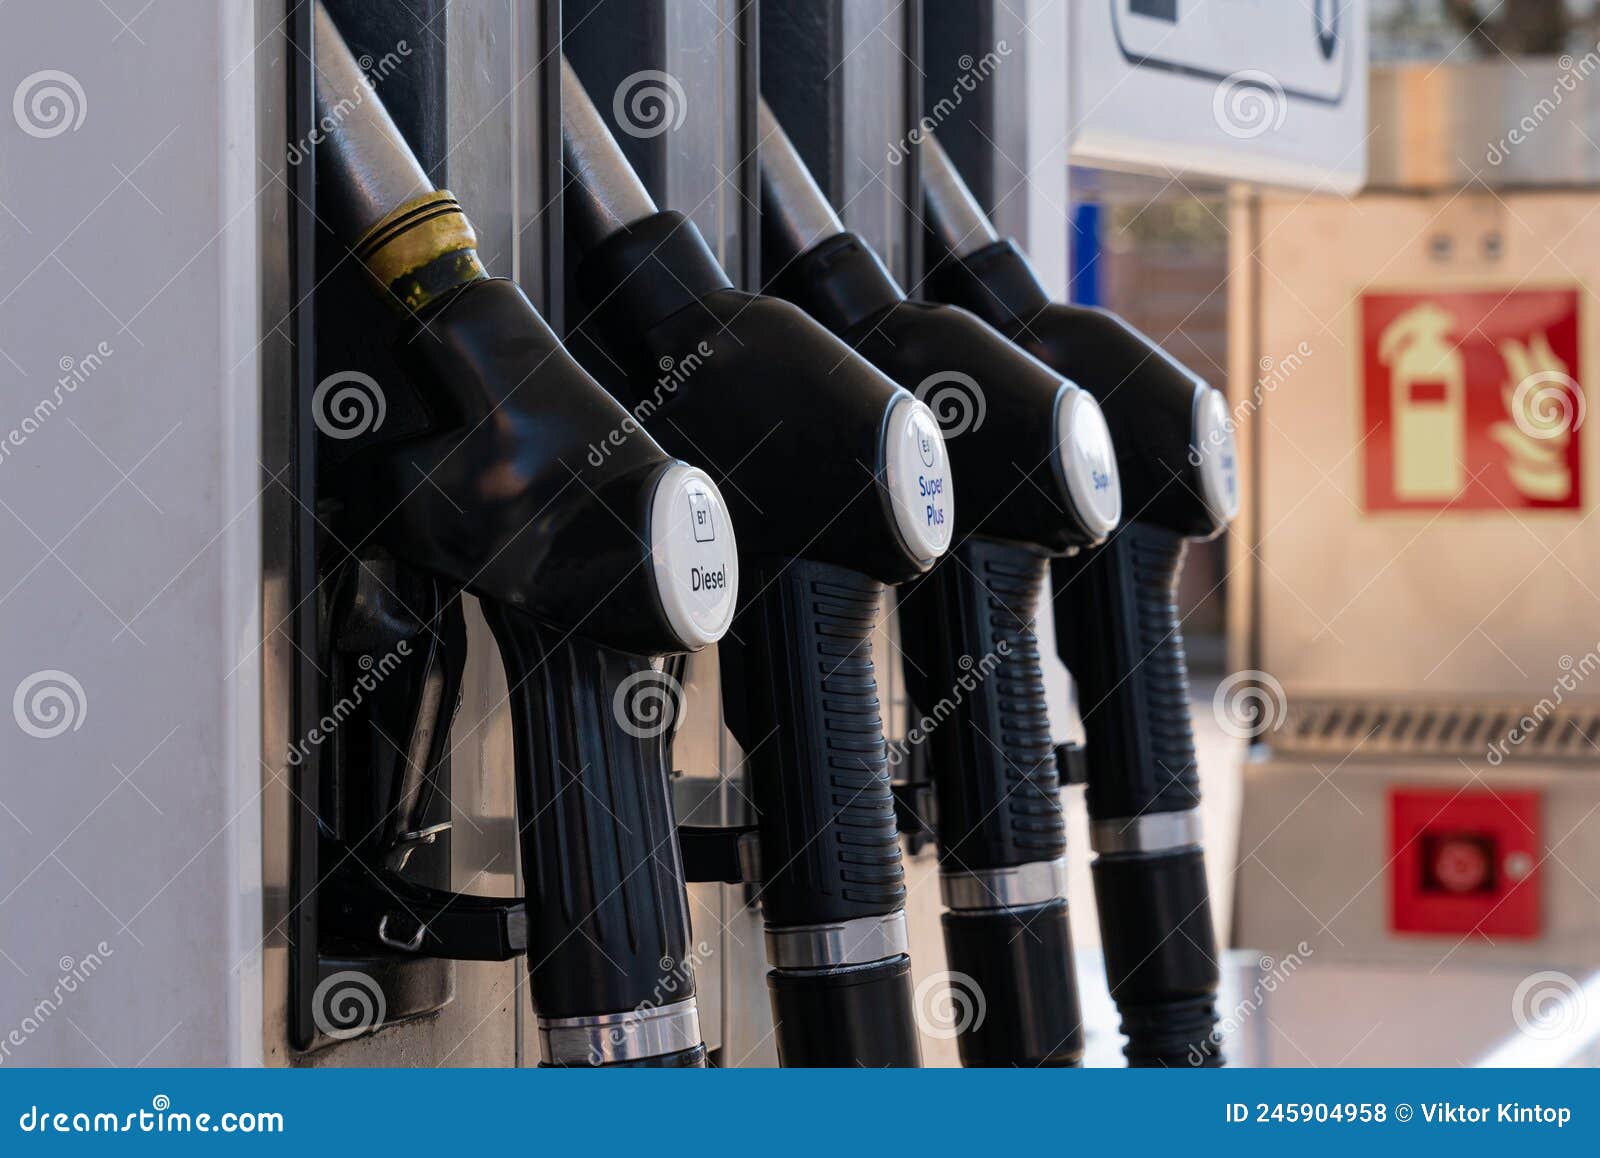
[1472,401]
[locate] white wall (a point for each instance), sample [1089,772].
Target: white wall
[129,535]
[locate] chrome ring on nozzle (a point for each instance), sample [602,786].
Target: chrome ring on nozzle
[857,941]
[620,1038]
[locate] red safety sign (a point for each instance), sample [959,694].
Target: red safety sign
[1471,401]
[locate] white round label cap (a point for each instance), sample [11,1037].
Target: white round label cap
[1088,460]
[1218,461]
[917,469]
[695,558]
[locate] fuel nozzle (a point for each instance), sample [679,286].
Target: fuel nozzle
[840,484]
[1038,476]
[1032,450]
[1117,625]
[1173,432]
[586,571]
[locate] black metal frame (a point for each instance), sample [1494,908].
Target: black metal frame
[749,21]
[304,778]
[968,133]
[553,220]
[916,267]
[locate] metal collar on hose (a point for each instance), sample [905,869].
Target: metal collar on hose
[422,250]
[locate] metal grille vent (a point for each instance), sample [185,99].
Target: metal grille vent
[1364,729]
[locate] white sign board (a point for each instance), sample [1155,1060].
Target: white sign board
[1270,91]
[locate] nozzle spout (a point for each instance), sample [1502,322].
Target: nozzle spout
[957,218]
[607,194]
[793,205]
[368,170]
[413,239]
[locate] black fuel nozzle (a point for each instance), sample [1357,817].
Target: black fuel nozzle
[1029,445]
[840,484]
[1117,625]
[1172,431]
[1034,461]
[586,571]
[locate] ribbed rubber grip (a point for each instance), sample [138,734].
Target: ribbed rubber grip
[1118,633]
[608,921]
[800,696]
[972,667]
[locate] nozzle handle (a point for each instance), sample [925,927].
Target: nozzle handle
[973,669]
[610,971]
[1118,631]
[801,697]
